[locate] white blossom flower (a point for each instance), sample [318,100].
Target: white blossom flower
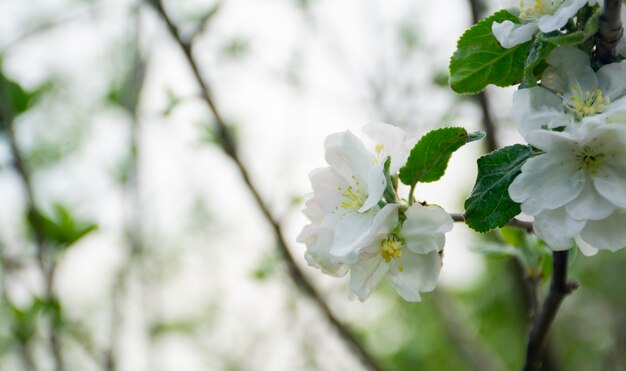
[577,187]
[346,193]
[407,254]
[535,15]
[572,93]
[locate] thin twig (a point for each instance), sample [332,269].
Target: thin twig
[133,212]
[559,288]
[47,266]
[611,31]
[229,147]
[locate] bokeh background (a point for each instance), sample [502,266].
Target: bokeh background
[129,240]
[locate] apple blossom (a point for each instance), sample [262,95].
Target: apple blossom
[577,186]
[543,15]
[572,93]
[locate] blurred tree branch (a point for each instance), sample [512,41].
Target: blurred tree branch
[46,263]
[228,145]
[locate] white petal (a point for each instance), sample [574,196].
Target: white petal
[366,274]
[392,139]
[376,184]
[510,34]
[610,181]
[547,182]
[589,205]
[352,234]
[609,234]
[424,228]
[537,107]
[557,142]
[356,232]
[326,196]
[424,244]
[585,248]
[573,69]
[318,255]
[557,228]
[347,155]
[419,273]
[612,80]
[567,10]
[614,113]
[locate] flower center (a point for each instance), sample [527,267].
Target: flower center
[530,10]
[587,103]
[390,249]
[355,198]
[589,160]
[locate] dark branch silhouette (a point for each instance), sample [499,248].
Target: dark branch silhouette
[228,145]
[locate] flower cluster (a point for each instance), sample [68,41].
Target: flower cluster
[358,224]
[575,187]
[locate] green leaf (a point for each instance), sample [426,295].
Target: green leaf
[429,158]
[474,136]
[60,228]
[480,60]
[390,190]
[489,205]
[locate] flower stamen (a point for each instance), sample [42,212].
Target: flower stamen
[589,160]
[390,249]
[587,103]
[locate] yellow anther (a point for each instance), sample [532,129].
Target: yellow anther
[535,9]
[379,148]
[589,160]
[587,104]
[401,267]
[391,248]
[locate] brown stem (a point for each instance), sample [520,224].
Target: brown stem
[228,146]
[611,31]
[559,288]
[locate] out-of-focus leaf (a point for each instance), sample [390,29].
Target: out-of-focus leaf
[25,320]
[60,228]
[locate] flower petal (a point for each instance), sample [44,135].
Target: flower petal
[607,234]
[557,228]
[366,274]
[571,66]
[510,34]
[585,248]
[554,22]
[424,228]
[547,181]
[537,107]
[589,205]
[356,232]
[376,184]
[347,155]
[392,140]
[418,273]
[612,80]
